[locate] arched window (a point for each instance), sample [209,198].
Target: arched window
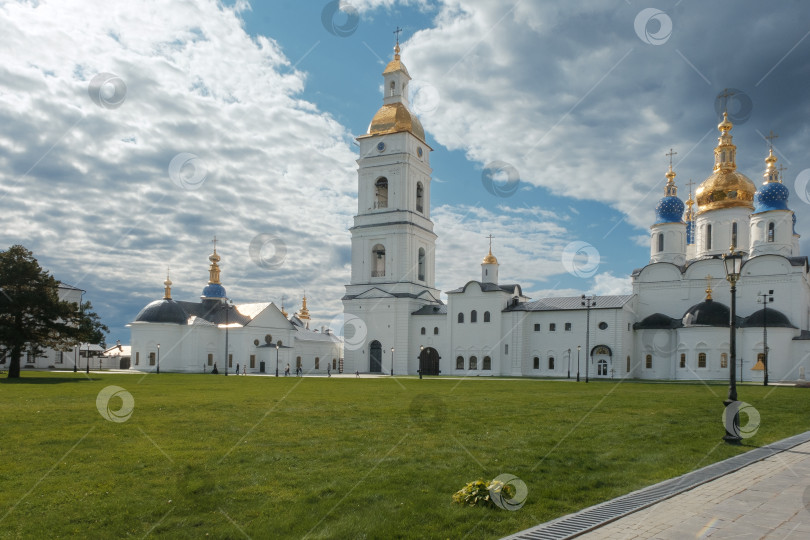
[421,266]
[420,197]
[473,316]
[297,362]
[381,193]
[487,363]
[460,318]
[770,231]
[648,361]
[536,362]
[708,240]
[702,359]
[473,362]
[393,88]
[423,331]
[683,360]
[378,261]
[660,242]
[724,360]
[435,330]
[459,362]
[486,316]
[628,364]
[550,362]
[734,234]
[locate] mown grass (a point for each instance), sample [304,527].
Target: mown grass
[345,458]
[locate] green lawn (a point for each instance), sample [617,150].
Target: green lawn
[345,458]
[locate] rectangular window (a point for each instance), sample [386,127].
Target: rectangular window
[536,362]
[724,360]
[59,357]
[628,364]
[210,359]
[552,327]
[568,327]
[252,361]
[317,363]
[550,362]
[683,360]
[334,363]
[230,360]
[506,349]
[537,327]
[297,362]
[702,360]
[137,358]
[151,359]
[648,361]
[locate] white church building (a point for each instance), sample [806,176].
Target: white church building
[674,325]
[196,337]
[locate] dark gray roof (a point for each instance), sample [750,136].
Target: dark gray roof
[708,313]
[657,321]
[71,287]
[214,312]
[563,303]
[773,319]
[489,287]
[431,310]
[803,335]
[163,311]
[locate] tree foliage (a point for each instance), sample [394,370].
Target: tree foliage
[32,317]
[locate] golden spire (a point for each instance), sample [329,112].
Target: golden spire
[709,287]
[490,258]
[167,291]
[725,153]
[282,308]
[396,47]
[690,202]
[213,270]
[771,173]
[303,313]
[671,190]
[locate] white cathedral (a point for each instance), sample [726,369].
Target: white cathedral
[674,325]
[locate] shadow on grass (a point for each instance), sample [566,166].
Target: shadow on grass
[45,380]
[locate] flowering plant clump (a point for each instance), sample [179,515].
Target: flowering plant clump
[478,493]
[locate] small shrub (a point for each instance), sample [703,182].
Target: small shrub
[477,493]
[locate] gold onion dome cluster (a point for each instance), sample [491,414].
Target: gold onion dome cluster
[490,258]
[725,188]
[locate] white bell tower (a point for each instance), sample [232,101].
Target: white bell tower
[393,243]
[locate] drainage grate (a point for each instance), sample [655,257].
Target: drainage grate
[591,518]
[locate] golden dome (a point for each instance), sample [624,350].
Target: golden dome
[725,188]
[395,118]
[490,258]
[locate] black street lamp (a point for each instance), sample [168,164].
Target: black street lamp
[569,362]
[88,358]
[732,262]
[227,303]
[421,351]
[158,358]
[392,361]
[276,359]
[588,302]
[764,299]
[578,348]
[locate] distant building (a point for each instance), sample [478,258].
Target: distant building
[191,337]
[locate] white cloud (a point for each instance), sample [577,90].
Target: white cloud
[608,284]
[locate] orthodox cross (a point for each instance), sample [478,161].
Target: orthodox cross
[490,242]
[215,242]
[771,136]
[670,154]
[725,95]
[690,184]
[397,32]
[709,287]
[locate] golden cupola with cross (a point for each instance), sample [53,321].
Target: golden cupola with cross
[726,187]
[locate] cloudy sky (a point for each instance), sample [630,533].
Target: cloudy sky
[133,132]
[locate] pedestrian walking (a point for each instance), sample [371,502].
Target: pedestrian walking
[237,368]
[328,370]
[287,370]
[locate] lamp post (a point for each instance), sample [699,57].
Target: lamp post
[227,304]
[158,358]
[421,350]
[588,302]
[276,359]
[578,348]
[392,361]
[764,299]
[569,362]
[732,262]
[88,358]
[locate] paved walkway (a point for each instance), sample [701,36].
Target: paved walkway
[768,499]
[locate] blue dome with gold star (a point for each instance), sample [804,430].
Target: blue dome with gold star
[669,210]
[771,196]
[214,290]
